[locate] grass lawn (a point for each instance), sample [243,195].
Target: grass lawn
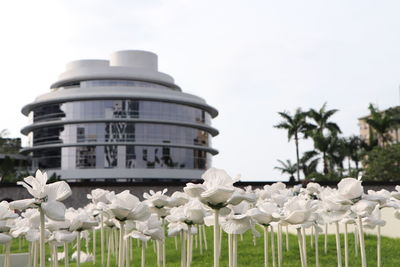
[250,255]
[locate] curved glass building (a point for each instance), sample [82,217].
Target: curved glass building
[119,119]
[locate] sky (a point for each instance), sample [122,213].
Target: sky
[249,59]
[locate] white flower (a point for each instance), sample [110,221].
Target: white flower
[146,230]
[216,190]
[396,194]
[61,237]
[79,220]
[84,257]
[297,211]
[264,213]
[125,206]
[178,199]
[239,220]
[47,196]
[313,188]
[363,208]
[373,219]
[99,195]
[350,188]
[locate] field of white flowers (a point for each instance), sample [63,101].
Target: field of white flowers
[185,217]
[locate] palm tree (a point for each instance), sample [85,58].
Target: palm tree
[321,119]
[326,146]
[337,153]
[354,151]
[309,162]
[381,123]
[295,125]
[323,128]
[287,167]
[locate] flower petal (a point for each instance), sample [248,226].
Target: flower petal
[58,191]
[54,210]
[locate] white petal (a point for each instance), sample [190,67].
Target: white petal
[54,210]
[22,204]
[58,191]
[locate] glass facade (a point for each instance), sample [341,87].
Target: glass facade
[120,132]
[99,157]
[98,83]
[120,109]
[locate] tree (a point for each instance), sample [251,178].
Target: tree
[295,125]
[382,164]
[381,123]
[321,120]
[354,147]
[287,167]
[309,163]
[323,133]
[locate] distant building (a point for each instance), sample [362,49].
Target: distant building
[119,119]
[366,130]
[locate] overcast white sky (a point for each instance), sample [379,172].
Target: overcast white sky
[249,59]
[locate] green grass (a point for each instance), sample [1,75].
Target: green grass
[250,255]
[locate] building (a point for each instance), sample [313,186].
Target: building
[393,134]
[119,119]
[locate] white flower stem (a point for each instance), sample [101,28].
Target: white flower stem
[304,242]
[94,246]
[287,238]
[30,254]
[127,249]
[78,247]
[102,239]
[266,263]
[362,244]
[55,256]
[189,246]
[326,239]
[176,242]
[338,248]
[312,238]
[299,237]
[164,258]
[7,256]
[66,257]
[378,247]
[121,244]
[235,249]
[316,247]
[110,249]
[143,257]
[205,237]
[183,249]
[216,238]
[200,238]
[356,240]
[273,246]
[346,246]
[230,250]
[42,247]
[35,253]
[279,245]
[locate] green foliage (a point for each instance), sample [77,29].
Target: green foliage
[10,145]
[382,164]
[7,169]
[381,123]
